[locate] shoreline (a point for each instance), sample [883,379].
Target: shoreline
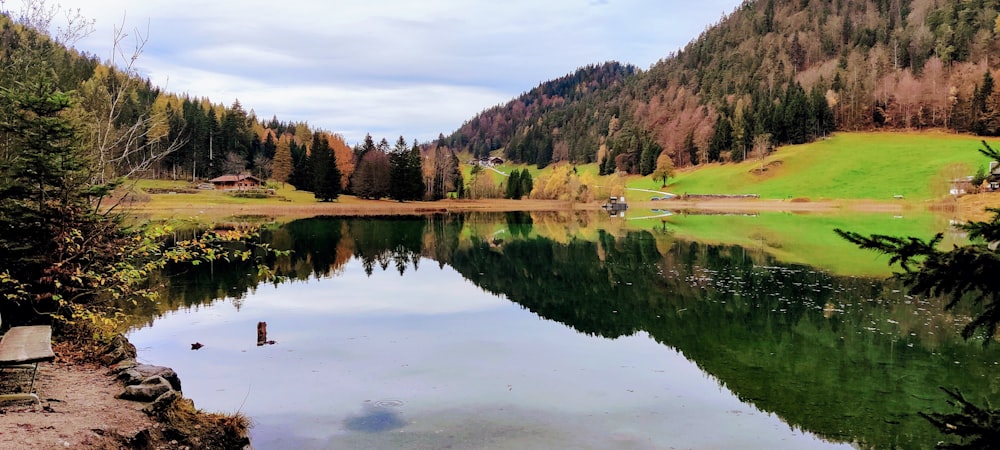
[102,397]
[357,207]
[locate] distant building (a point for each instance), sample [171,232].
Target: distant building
[236,182]
[487,161]
[993,178]
[961,186]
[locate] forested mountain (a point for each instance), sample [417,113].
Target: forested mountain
[529,125]
[771,72]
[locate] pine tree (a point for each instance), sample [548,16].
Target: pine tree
[691,148]
[527,184]
[721,139]
[982,107]
[408,180]
[513,189]
[398,167]
[414,176]
[302,171]
[650,151]
[324,169]
[457,179]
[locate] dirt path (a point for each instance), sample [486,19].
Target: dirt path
[79,409]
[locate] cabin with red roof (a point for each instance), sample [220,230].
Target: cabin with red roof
[236,182]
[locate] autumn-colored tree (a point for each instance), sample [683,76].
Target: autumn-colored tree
[344,156]
[281,167]
[481,184]
[563,183]
[664,169]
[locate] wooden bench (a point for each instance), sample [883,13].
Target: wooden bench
[23,348]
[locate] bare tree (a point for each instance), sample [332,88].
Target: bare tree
[263,166]
[234,164]
[123,149]
[761,148]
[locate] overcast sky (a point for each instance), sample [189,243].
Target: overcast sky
[386,67]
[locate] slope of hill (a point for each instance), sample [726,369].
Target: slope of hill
[864,165]
[771,72]
[529,124]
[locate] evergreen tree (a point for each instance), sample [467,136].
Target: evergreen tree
[42,176]
[527,184]
[513,189]
[301,176]
[407,174]
[324,169]
[398,160]
[982,108]
[214,159]
[721,139]
[796,114]
[691,148]
[457,178]
[650,151]
[822,115]
[414,176]
[45,165]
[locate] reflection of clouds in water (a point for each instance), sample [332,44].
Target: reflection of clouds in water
[425,292]
[375,418]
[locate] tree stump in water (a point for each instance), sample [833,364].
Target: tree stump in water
[262,334]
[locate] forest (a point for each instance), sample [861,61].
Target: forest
[771,72]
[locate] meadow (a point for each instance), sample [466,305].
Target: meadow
[854,165]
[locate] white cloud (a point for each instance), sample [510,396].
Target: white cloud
[393,66]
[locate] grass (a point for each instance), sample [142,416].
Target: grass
[879,166]
[804,238]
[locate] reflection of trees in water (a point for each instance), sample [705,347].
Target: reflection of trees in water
[847,358]
[826,353]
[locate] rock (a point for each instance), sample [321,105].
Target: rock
[141,372]
[160,405]
[142,440]
[147,391]
[117,350]
[123,365]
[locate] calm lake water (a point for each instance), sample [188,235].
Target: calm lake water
[513,331]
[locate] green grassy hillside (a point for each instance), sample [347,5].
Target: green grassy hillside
[805,238]
[846,166]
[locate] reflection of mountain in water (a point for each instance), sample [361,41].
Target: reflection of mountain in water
[850,359]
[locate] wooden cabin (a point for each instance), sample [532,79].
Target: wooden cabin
[236,182]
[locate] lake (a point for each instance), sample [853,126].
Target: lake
[552,331]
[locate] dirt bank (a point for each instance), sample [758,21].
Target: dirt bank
[350,206]
[79,408]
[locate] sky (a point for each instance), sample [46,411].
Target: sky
[386,67]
